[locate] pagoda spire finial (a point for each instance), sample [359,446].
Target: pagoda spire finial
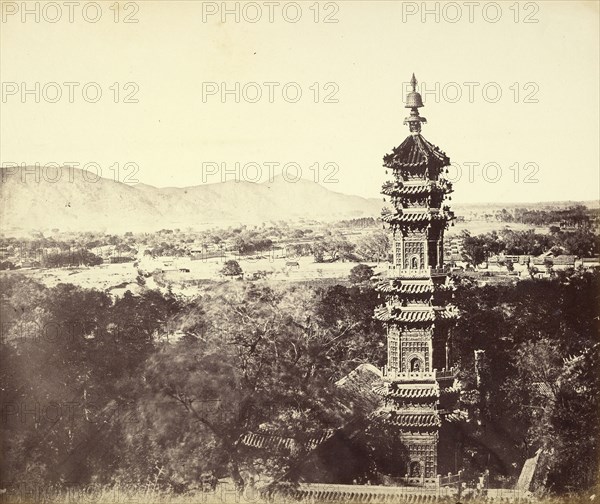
[414,102]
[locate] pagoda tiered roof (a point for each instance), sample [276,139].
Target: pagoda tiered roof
[414,152]
[416,289]
[407,393]
[389,286]
[430,187]
[404,286]
[398,217]
[456,416]
[454,389]
[410,314]
[409,419]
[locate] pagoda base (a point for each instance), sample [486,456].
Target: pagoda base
[422,450]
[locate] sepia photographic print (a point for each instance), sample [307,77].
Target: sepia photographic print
[299,252]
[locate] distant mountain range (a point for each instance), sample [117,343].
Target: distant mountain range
[77,202]
[74,203]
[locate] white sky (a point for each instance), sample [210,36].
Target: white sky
[369,54]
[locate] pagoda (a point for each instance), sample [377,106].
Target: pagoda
[419,387]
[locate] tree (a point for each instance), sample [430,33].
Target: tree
[319,251]
[479,248]
[70,364]
[335,245]
[263,367]
[582,243]
[76,257]
[560,405]
[232,268]
[374,247]
[349,311]
[574,424]
[525,384]
[361,273]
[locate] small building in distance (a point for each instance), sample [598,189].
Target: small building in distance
[588,263]
[563,262]
[121,259]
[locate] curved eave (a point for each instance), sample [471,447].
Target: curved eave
[416,152]
[456,416]
[424,190]
[407,393]
[423,420]
[394,287]
[448,391]
[397,219]
[272,441]
[397,286]
[401,315]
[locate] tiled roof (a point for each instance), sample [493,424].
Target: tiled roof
[357,393]
[590,260]
[416,189]
[416,151]
[404,288]
[407,393]
[358,387]
[383,314]
[263,440]
[558,260]
[273,441]
[400,218]
[430,419]
[327,492]
[455,389]
[414,316]
[564,259]
[456,416]
[400,286]
[428,314]
[543,389]
[428,187]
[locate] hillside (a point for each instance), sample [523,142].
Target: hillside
[73,203]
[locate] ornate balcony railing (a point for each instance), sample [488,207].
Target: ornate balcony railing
[418,272]
[419,481]
[444,374]
[451,479]
[408,375]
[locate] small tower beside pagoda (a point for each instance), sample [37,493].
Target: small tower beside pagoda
[419,387]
